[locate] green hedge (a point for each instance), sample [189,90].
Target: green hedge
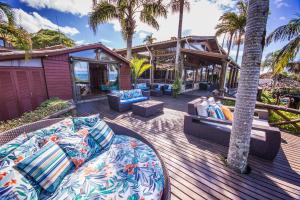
[273,118]
[47,108]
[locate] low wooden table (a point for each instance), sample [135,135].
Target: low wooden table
[147,108]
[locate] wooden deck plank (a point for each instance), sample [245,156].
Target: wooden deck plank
[195,168]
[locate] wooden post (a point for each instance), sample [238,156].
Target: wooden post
[201,71]
[230,77]
[236,78]
[222,78]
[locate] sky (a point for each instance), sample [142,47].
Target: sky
[71,18]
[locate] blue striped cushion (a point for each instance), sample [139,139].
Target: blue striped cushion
[102,133]
[48,166]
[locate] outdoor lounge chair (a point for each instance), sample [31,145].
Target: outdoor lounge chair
[265,140]
[156,90]
[167,89]
[118,130]
[116,102]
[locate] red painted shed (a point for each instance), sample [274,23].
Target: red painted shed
[79,73]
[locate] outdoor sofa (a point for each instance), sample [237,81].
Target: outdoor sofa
[156,90]
[123,166]
[143,86]
[122,100]
[265,140]
[168,89]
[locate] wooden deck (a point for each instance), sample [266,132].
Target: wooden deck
[195,168]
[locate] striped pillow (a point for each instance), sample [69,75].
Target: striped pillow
[102,133]
[48,166]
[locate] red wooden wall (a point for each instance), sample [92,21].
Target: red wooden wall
[21,90]
[58,76]
[125,77]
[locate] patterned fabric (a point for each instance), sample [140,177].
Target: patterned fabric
[48,166]
[14,185]
[142,86]
[215,111]
[128,170]
[85,122]
[103,134]
[12,145]
[137,93]
[202,109]
[63,126]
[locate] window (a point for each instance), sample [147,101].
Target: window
[22,63]
[81,71]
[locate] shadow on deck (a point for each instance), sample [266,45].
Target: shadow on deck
[195,168]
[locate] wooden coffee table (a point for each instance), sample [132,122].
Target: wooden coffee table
[147,108]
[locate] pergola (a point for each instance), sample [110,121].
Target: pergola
[202,60]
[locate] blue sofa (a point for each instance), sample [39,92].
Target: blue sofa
[167,89]
[122,100]
[156,90]
[143,86]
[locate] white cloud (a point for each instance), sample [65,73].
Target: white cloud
[105,41]
[80,42]
[143,34]
[87,26]
[76,7]
[281,3]
[282,18]
[33,22]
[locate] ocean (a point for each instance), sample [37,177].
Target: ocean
[84,76]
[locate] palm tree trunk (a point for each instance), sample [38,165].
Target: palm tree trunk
[129,47]
[230,43]
[238,48]
[223,40]
[248,83]
[178,47]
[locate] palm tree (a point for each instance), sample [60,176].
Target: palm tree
[149,39]
[138,67]
[234,24]
[178,6]
[247,90]
[11,33]
[126,11]
[287,54]
[269,63]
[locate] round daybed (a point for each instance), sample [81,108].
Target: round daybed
[118,130]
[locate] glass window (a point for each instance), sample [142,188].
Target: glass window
[81,71]
[105,57]
[91,53]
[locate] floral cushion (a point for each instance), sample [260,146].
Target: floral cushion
[13,184]
[85,122]
[48,166]
[128,170]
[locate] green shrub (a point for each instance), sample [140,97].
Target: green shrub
[227,102]
[47,108]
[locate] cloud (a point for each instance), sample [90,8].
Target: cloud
[76,7]
[282,18]
[80,42]
[281,3]
[142,34]
[33,22]
[105,41]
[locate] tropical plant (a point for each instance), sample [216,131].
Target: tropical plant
[9,32]
[176,87]
[46,38]
[178,6]
[149,39]
[248,83]
[234,24]
[138,67]
[287,54]
[126,11]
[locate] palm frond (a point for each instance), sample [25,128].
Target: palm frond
[149,19]
[102,12]
[6,11]
[287,54]
[139,66]
[175,5]
[285,32]
[156,9]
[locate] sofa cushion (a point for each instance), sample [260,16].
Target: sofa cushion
[85,122]
[136,93]
[142,86]
[128,170]
[133,100]
[227,113]
[102,134]
[48,166]
[215,111]
[12,145]
[202,109]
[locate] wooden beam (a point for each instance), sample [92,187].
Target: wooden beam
[222,78]
[287,119]
[285,122]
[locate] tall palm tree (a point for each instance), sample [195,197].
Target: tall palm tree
[287,54]
[126,11]
[234,24]
[10,32]
[247,90]
[149,39]
[178,6]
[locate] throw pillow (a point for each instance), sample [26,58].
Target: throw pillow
[48,166]
[202,109]
[137,93]
[215,111]
[227,112]
[85,122]
[103,134]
